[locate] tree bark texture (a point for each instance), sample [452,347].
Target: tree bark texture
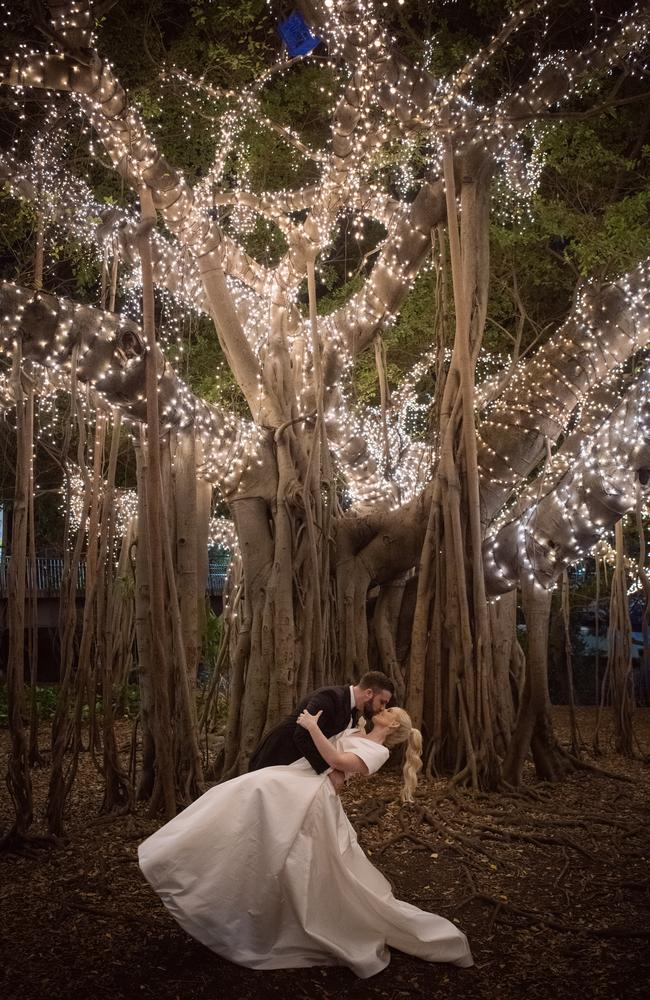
[18,773]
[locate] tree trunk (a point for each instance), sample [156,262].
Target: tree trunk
[118,792]
[178,768]
[18,775]
[187,545]
[618,674]
[32,597]
[143,633]
[252,660]
[60,782]
[122,627]
[386,619]
[203,511]
[506,654]
[164,792]
[534,727]
[451,650]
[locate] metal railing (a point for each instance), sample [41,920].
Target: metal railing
[45,575]
[218,567]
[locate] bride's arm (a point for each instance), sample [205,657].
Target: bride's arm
[348,762]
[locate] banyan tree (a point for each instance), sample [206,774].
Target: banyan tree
[346,528]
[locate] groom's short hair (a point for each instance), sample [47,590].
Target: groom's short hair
[377,681]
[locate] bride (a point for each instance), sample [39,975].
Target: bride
[266,870]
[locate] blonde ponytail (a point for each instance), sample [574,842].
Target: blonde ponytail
[403,732]
[412,765]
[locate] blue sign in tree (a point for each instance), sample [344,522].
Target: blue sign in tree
[296,35]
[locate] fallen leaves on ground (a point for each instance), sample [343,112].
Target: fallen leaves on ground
[551,887]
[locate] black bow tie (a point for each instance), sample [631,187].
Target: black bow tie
[355,716]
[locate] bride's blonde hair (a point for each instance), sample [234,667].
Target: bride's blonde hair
[405,733]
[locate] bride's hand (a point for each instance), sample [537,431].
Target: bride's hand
[308,721]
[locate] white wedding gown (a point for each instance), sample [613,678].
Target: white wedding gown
[266,871]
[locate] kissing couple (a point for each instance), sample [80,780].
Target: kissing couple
[266,870]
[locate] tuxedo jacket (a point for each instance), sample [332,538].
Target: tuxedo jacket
[288,741]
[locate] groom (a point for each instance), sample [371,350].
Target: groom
[340,706]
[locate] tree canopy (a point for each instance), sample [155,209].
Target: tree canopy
[389,297]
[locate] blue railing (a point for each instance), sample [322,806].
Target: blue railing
[45,575]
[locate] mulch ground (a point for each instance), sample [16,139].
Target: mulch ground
[552,889]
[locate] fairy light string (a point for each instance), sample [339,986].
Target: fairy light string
[379,101]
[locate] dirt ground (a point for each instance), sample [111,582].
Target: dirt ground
[552,889]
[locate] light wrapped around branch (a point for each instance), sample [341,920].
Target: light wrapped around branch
[606,327]
[110,357]
[598,489]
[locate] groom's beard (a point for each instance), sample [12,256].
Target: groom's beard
[367,712]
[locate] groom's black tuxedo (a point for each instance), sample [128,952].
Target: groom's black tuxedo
[287,741]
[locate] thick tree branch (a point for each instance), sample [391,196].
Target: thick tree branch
[136,157]
[598,487]
[607,326]
[111,359]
